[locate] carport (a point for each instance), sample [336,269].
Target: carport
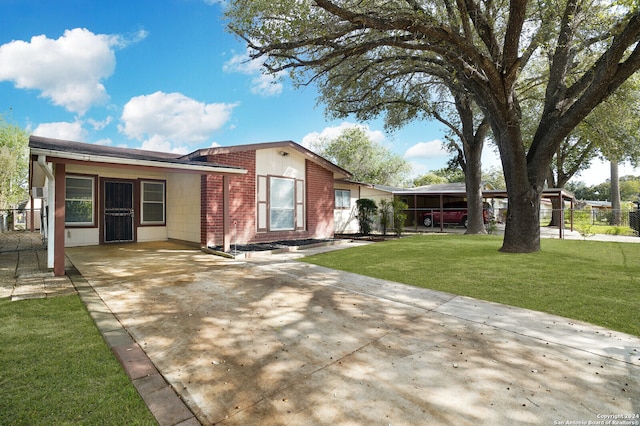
[434,198]
[107,190]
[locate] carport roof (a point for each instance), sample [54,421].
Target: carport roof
[459,189]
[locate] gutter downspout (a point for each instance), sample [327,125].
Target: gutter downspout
[51,191]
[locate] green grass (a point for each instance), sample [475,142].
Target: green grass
[592,281]
[614,230]
[56,369]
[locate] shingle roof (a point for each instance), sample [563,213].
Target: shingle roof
[80,148]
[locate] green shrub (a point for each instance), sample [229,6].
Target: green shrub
[385,211]
[399,215]
[366,211]
[583,222]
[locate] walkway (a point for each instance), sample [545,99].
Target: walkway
[24,275]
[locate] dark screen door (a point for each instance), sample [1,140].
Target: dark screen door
[118,211]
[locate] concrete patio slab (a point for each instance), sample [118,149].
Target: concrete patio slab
[273,341]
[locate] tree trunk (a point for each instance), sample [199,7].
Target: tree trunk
[616,218]
[524,190]
[522,229]
[473,182]
[556,206]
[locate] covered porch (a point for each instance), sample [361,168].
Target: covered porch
[97,195]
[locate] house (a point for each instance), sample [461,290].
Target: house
[347,193]
[210,197]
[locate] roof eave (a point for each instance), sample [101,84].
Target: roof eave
[337,170]
[135,162]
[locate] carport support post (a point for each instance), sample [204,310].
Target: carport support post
[415,210]
[441,214]
[226,235]
[58,215]
[571,215]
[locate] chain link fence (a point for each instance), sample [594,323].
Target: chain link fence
[604,221]
[20,230]
[624,222]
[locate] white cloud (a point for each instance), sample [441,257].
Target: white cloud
[418,169]
[261,83]
[432,149]
[329,133]
[600,171]
[69,71]
[99,125]
[165,120]
[162,145]
[62,130]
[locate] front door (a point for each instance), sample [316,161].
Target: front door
[118,212]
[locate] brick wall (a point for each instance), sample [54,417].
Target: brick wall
[320,201]
[319,205]
[242,200]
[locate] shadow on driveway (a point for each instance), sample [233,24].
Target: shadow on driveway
[274,341]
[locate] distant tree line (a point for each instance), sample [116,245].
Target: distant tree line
[629,190]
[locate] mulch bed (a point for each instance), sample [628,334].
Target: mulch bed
[241,248]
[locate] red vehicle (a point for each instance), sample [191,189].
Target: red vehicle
[453,213]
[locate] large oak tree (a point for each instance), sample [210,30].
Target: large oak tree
[483,45]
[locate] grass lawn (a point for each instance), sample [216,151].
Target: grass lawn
[592,281]
[56,369]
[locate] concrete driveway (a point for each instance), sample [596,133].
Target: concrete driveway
[274,341]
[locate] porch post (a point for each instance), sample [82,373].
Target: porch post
[226,235]
[58,228]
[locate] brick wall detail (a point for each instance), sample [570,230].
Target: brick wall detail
[242,200]
[319,200]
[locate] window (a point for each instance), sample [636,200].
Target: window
[282,204]
[343,199]
[152,203]
[78,200]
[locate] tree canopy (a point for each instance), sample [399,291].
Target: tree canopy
[14,153]
[368,161]
[484,48]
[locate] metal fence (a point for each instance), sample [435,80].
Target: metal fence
[608,221]
[601,221]
[20,230]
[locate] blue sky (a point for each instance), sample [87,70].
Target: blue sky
[165,75]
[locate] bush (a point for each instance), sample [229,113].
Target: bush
[385,210]
[366,210]
[399,215]
[583,222]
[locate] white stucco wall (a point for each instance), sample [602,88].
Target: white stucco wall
[183,207]
[75,237]
[272,162]
[346,220]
